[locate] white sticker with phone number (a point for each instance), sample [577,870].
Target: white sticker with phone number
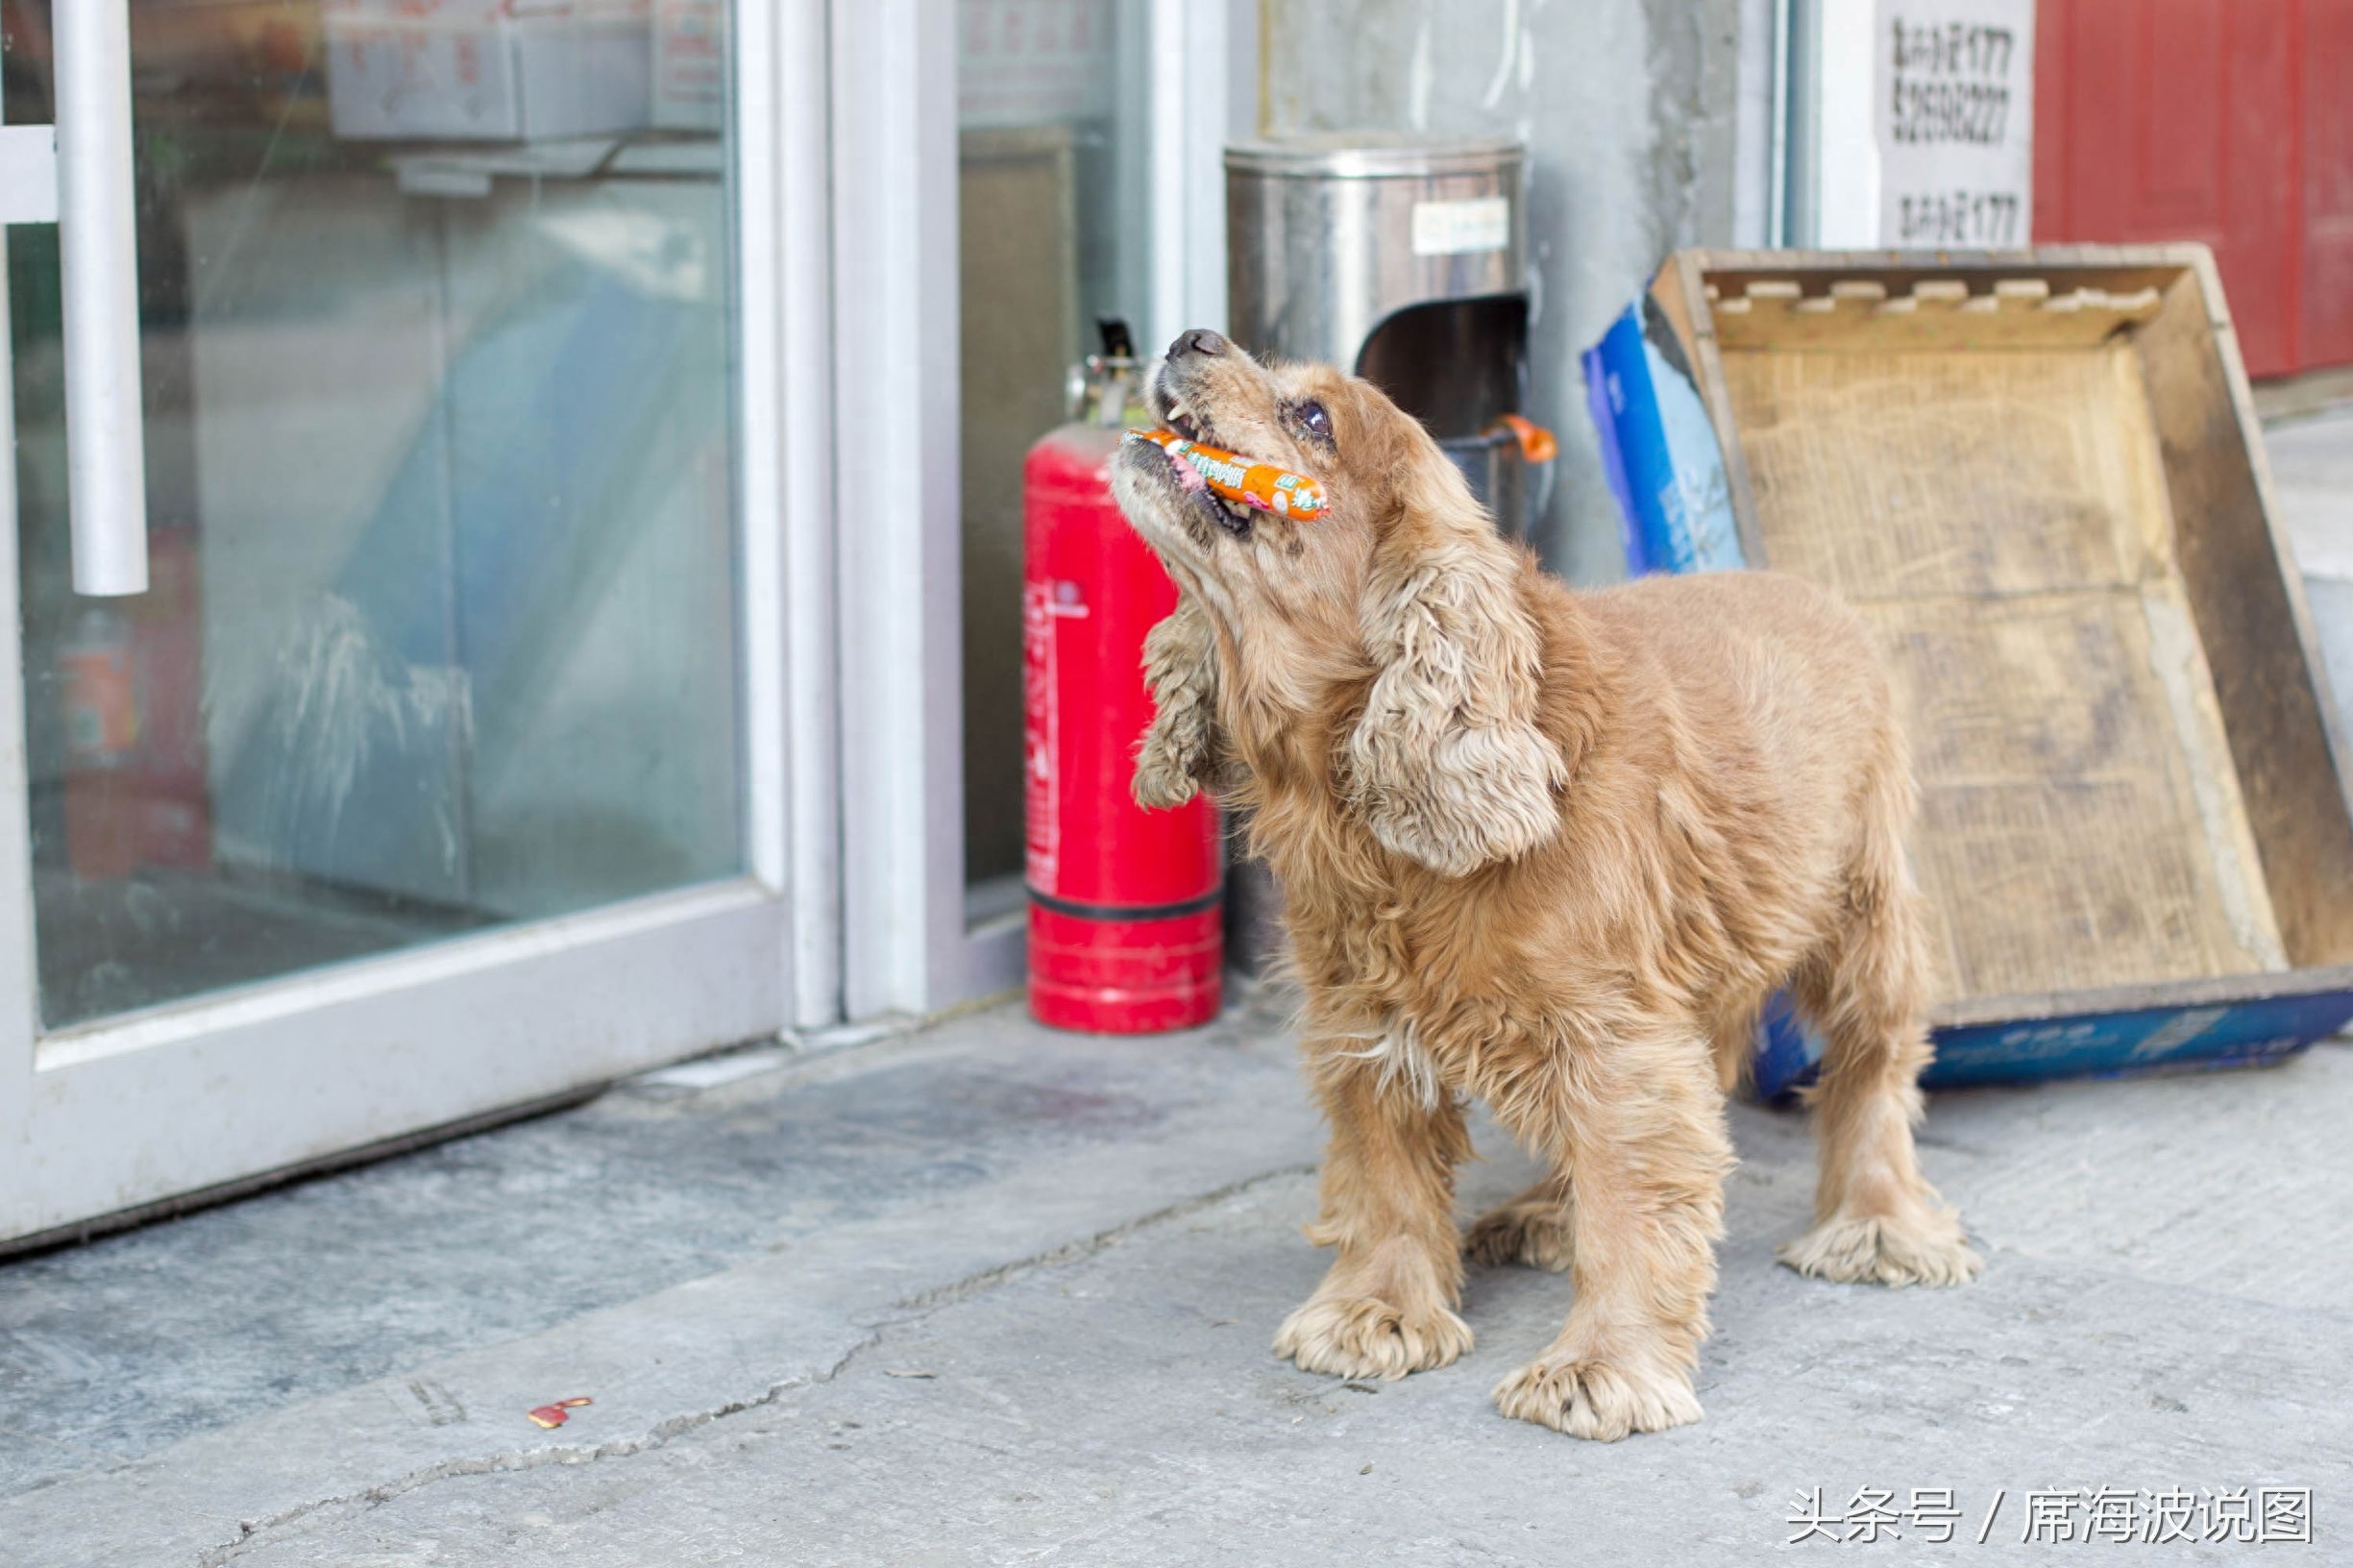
[1954,122]
[1462,227]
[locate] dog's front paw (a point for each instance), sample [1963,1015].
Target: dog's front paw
[1162,778]
[1363,1336]
[1924,1247]
[1603,1400]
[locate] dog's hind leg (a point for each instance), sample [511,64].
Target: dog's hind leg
[1386,1306]
[1639,1125]
[1534,1228]
[1876,1217]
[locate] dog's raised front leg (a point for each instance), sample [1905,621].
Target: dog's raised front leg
[1386,1306]
[1180,754]
[1640,1128]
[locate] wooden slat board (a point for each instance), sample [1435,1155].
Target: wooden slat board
[1947,313]
[2002,517]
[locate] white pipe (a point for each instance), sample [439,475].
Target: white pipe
[1174,66]
[1776,198]
[98,252]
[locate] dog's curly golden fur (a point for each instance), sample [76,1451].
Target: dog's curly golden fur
[1550,849]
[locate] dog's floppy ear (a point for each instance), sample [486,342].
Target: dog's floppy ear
[1181,753]
[1447,764]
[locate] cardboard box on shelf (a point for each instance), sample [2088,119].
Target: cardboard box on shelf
[487,70]
[2038,474]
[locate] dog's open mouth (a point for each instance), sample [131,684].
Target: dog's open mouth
[1236,519]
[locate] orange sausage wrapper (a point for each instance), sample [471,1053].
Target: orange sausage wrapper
[1240,480]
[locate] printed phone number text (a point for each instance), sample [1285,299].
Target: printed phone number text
[1953,48]
[1958,217]
[1925,113]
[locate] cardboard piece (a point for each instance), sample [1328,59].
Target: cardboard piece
[1659,449]
[2039,475]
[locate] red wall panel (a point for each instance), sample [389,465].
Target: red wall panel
[2206,120]
[2327,92]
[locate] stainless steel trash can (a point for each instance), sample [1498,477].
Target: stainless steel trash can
[1329,236]
[1404,259]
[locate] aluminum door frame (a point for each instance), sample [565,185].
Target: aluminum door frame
[916,941]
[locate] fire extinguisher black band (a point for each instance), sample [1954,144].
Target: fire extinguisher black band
[1130,912]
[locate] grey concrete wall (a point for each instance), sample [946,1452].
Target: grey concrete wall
[1628,109]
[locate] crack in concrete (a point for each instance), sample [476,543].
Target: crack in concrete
[908,1310]
[250,1531]
[1072,1251]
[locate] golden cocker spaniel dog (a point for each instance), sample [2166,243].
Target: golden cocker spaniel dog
[1554,849]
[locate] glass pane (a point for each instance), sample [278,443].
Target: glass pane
[441,631]
[1053,229]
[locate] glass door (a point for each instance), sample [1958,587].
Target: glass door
[1005,170]
[409,783]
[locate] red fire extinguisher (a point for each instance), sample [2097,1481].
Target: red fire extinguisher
[99,661]
[1126,920]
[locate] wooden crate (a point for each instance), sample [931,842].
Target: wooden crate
[2039,474]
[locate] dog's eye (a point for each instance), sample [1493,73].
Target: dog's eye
[1314,421]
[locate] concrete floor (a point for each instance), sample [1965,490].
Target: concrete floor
[2312,471]
[991,1295]
[2312,475]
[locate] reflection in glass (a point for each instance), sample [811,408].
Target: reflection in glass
[441,629]
[1053,228]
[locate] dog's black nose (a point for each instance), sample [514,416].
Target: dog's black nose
[1200,340]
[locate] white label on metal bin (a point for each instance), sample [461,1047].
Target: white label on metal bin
[1458,228]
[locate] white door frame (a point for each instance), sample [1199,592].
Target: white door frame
[911,942]
[784,257]
[906,949]
[214,1091]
